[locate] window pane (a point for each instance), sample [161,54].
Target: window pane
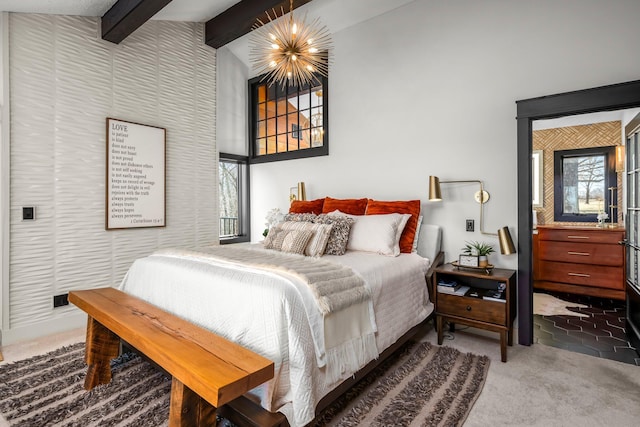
[282,143]
[262,146]
[583,181]
[271,145]
[271,127]
[261,129]
[262,93]
[316,97]
[262,111]
[228,178]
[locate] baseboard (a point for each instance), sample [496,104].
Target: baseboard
[41,329]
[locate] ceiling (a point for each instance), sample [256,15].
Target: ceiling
[335,14]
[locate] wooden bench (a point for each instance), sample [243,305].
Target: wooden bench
[207,370]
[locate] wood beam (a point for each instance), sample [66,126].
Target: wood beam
[126,16]
[238,20]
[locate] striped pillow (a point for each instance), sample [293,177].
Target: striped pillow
[318,242]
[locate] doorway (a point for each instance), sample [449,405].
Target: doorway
[605,98]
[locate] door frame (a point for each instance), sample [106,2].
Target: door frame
[604,98]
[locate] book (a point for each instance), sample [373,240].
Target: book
[460,290]
[494,295]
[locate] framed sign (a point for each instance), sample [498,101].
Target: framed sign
[135,175]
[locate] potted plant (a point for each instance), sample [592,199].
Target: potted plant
[479,249]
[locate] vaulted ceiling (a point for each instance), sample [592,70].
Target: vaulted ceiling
[226,20]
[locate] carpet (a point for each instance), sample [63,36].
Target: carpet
[548,305]
[433,385]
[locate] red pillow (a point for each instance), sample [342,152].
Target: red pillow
[377,207]
[303,206]
[348,206]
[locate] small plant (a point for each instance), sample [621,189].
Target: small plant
[477,249]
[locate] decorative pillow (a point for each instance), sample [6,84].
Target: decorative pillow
[304,206]
[377,207]
[349,206]
[294,241]
[318,242]
[269,240]
[339,236]
[301,217]
[376,233]
[414,248]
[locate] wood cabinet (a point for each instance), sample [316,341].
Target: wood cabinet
[496,316]
[579,260]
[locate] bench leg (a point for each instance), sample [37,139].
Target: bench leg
[187,409]
[102,345]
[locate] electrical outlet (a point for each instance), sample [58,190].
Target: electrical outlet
[60,300]
[470,225]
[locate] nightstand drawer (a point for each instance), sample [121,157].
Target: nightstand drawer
[472,308]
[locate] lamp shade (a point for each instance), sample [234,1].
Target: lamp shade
[434,189]
[302,192]
[506,243]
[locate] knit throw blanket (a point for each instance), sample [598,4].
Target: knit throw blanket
[333,285]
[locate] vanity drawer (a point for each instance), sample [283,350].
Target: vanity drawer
[580,274]
[584,253]
[582,236]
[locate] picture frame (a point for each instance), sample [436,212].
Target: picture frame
[293,194]
[537,178]
[135,175]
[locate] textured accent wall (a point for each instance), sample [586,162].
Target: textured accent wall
[603,134]
[64,82]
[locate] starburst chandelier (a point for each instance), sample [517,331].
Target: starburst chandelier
[290,52]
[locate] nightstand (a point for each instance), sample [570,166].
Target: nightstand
[474,308]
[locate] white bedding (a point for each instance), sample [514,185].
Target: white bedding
[265,311]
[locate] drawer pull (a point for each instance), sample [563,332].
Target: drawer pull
[579,253]
[577,237]
[579,274]
[468,308]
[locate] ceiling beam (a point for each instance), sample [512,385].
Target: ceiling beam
[126,16]
[239,19]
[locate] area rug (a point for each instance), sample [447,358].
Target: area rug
[548,305]
[430,385]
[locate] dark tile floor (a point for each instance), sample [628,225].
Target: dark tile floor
[602,334]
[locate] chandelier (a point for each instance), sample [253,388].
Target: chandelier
[290,52]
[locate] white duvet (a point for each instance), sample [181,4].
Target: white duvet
[268,312]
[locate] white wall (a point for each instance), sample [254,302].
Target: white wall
[64,82]
[430,89]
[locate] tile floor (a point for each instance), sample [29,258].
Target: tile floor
[602,334]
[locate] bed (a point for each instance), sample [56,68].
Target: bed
[271,312]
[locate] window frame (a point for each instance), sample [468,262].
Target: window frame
[254,157]
[244,206]
[610,177]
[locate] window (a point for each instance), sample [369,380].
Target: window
[582,182]
[288,122]
[233,193]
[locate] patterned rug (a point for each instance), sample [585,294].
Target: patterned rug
[434,385]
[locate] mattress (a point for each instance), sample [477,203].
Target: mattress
[264,310]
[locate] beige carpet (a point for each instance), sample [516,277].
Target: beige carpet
[538,386]
[548,305]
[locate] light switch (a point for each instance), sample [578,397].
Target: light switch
[28,213]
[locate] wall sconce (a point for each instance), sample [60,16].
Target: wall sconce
[481,196]
[619,158]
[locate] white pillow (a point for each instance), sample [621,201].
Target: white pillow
[414,248]
[376,233]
